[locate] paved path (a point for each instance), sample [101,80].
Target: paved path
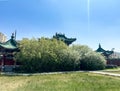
[30,74]
[105,73]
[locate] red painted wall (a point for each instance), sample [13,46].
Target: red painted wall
[114,61]
[8,62]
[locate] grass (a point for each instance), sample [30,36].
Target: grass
[74,81]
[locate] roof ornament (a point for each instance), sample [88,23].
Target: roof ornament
[12,37]
[99,45]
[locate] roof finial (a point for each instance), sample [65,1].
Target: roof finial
[15,34]
[99,45]
[12,37]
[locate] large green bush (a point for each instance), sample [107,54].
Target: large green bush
[89,60]
[45,55]
[93,61]
[68,60]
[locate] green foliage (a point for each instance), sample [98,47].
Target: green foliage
[45,55]
[68,60]
[93,61]
[29,54]
[89,60]
[83,50]
[111,66]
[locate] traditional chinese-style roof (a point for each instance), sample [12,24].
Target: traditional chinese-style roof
[106,53]
[63,38]
[11,44]
[100,49]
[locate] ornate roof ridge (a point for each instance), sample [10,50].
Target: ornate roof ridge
[10,44]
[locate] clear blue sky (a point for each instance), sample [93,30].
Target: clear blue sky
[37,18]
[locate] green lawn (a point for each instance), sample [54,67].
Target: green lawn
[75,81]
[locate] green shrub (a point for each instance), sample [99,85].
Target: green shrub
[68,60]
[46,55]
[93,61]
[89,60]
[111,66]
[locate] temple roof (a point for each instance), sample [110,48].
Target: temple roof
[106,53]
[62,37]
[10,44]
[100,49]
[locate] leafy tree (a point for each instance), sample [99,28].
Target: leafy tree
[89,60]
[68,60]
[93,61]
[46,55]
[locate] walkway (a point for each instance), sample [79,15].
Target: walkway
[30,74]
[105,73]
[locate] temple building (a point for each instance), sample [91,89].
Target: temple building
[115,55]
[63,38]
[112,57]
[7,52]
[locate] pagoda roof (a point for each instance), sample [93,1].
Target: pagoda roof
[11,44]
[62,37]
[104,52]
[100,49]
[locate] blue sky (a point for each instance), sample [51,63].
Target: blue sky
[93,23]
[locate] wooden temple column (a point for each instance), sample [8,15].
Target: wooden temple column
[3,62]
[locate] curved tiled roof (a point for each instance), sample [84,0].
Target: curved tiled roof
[10,44]
[104,52]
[100,49]
[62,37]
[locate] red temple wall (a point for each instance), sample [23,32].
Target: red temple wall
[7,62]
[114,62]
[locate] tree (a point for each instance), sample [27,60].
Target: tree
[89,60]
[46,55]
